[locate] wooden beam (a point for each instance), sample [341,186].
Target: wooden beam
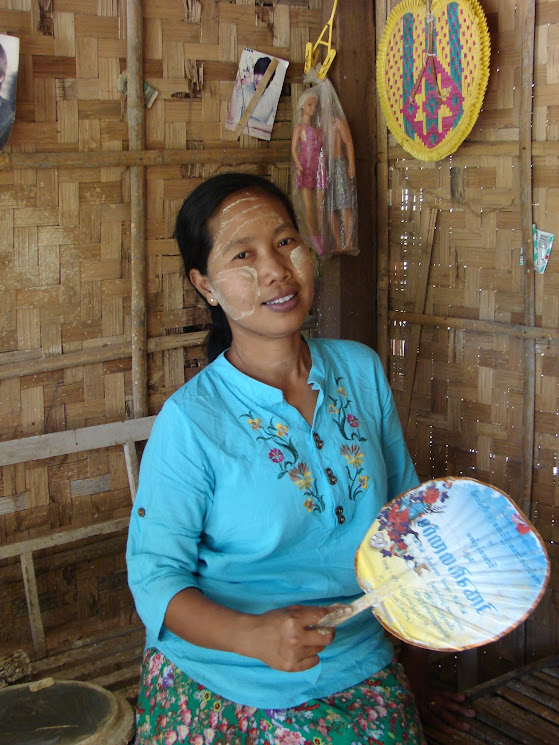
[32,597]
[537,333]
[132,467]
[355,82]
[32,363]
[383,211]
[485,149]
[231,155]
[527,16]
[136,137]
[63,537]
[28,449]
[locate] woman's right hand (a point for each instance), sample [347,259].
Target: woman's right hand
[283,638]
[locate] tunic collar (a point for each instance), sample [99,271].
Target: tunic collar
[234,378]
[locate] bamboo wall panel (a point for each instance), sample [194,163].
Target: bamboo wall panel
[465,414]
[65,299]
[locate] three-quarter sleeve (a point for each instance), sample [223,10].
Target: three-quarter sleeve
[175,491]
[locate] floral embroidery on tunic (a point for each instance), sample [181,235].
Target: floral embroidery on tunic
[348,424]
[284,453]
[285,456]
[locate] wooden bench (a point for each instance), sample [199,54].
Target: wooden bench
[518,708]
[62,443]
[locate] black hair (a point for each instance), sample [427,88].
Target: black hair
[195,241]
[3,63]
[260,67]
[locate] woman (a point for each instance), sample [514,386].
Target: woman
[256,486]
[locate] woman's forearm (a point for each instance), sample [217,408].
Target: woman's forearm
[200,621]
[283,638]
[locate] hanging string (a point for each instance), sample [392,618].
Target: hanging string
[429,56]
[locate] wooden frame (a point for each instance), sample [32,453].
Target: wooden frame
[39,447]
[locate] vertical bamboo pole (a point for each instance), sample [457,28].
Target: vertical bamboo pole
[136,138]
[527,9]
[383,246]
[525,154]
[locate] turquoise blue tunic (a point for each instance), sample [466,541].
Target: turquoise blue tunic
[242,499]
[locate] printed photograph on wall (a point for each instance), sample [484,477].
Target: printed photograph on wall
[9,62]
[252,67]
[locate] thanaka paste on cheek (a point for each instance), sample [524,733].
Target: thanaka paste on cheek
[237,291]
[300,257]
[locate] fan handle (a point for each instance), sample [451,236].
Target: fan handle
[344,612]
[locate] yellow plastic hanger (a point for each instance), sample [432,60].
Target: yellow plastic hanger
[312,51]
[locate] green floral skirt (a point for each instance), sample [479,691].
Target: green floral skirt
[173,708]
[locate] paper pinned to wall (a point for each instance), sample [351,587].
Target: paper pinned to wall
[252,67]
[543,243]
[9,65]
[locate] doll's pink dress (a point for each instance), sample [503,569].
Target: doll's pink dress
[311,156]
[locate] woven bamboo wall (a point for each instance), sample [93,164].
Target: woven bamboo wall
[461,395]
[65,314]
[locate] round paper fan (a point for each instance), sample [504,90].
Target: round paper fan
[432,72]
[450,565]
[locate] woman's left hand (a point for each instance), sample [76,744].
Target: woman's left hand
[445,711]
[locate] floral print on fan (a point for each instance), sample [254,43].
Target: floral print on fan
[284,454]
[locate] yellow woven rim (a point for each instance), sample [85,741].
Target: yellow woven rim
[453,140]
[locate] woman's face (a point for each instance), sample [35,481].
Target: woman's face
[259,270]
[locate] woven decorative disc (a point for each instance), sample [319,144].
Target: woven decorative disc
[432,72]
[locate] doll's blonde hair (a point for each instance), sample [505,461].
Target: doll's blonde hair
[305,95]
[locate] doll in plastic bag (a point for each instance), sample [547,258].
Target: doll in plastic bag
[324,191]
[307,148]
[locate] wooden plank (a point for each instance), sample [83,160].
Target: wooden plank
[355,82]
[232,155]
[483,733]
[127,638]
[123,674]
[104,665]
[132,467]
[551,701]
[19,364]
[383,241]
[471,324]
[526,727]
[32,597]
[547,677]
[525,700]
[527,16]
[66,536]
[541,683]
[49,445]
[136,136]
[490,685]
[138,279]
